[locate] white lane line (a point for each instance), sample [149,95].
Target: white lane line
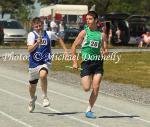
[51,109]
[100,106]
[80,100]
[105,93]
[14,119]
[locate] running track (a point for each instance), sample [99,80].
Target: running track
[68,104]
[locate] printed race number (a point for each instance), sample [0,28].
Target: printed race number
[94,44]
[44,42]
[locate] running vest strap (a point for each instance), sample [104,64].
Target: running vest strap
[42,53]
[91,45]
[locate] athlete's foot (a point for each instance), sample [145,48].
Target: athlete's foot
[31,106]
[46,102]
[89,114]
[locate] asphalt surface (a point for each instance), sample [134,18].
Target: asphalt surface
[68,104]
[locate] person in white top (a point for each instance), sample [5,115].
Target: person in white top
[61,26]
[118,33]
[61,30]
[54,26]
[145,39]
[45,25]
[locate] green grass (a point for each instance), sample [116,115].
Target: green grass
[133,68]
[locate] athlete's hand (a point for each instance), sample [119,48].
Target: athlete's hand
[105,52]
[66,55]
[75,66]
[39,40]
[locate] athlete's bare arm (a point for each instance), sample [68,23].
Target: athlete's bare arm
[63,45]
[31,48]
[104,44]
[77,41]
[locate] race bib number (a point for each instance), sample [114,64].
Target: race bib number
[94,44]
[44,42]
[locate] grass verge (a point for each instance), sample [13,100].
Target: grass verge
[133,68]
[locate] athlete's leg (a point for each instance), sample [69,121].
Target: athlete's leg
[86,82]
[43,78]
[33,80]
[32,90]
[95,86]
[94,94]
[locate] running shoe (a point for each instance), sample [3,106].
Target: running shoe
[31,106]
[89,114]
[46,102]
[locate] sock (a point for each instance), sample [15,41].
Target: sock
[32,98]
[44,95]
[89,108]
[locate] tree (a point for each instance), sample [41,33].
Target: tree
[133,7]
[145,7]
[12,6]
[104,6]
[48,2]
[101,5]
[23,13]
[9,6]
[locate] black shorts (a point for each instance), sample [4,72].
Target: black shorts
[91,67]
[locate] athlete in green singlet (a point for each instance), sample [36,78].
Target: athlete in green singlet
[94,43]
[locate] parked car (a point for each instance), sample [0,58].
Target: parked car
[13,31]
[1,35]
[116,21]
[71,31]
[131,26]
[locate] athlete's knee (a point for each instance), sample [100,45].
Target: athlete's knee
[43,76]
[33,82]
[86,86]
[95,90]
[86,89]
[43,73]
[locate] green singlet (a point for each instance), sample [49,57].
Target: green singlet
[91,45]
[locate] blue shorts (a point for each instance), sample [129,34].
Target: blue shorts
[91,67]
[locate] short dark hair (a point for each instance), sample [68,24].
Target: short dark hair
[36,20]
[93,14]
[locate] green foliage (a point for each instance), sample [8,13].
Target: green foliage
[17,8]
[145,7]
[47,2]
[23,14]
[9,6]
[104,6]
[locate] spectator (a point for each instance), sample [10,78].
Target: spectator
[54,26]
[109,31]
[118,33]
[61,30]
[145,38]
[45,24]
